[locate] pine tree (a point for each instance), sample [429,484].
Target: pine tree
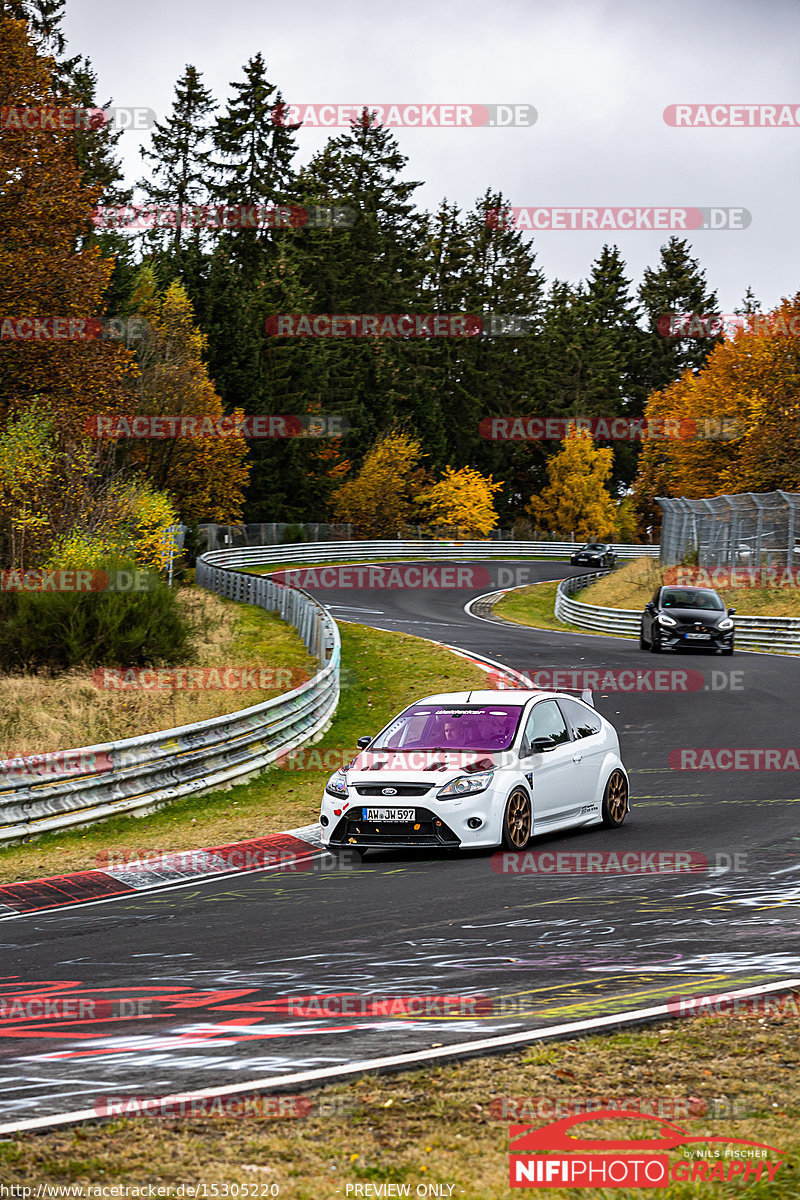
[677,286]
[254,148]
[181,157]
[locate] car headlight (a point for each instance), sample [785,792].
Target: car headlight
[337,785]
[663,619]
[467,785]
[725,623]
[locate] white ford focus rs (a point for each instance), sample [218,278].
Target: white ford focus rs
[474,769]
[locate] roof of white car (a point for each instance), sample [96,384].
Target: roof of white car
[487,696]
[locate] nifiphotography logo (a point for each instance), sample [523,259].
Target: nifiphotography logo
[596,1162]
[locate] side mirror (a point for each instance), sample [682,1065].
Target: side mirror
[539,745]
[731,611]
[363,742]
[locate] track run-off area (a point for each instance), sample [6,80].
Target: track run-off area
[212,985]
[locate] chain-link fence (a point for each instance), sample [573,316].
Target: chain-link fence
[748,529]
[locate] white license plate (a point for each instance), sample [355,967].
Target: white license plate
[699,637]
[389,814]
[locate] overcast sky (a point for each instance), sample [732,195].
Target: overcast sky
[599,75]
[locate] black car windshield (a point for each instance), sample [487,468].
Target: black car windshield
[595,546]
[687,598]
[456,726]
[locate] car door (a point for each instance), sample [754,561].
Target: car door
[589,744]
[554,775]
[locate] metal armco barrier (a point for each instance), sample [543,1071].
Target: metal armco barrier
[751,633]
[328,552]
[45,792]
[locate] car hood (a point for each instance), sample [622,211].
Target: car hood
[423,766]
[704,616]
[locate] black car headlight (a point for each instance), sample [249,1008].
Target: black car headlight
[663,619]
[725,624]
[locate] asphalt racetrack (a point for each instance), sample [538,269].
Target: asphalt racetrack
[211,973]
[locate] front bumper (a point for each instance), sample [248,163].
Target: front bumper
[429,829]
[676,638]
[469,822]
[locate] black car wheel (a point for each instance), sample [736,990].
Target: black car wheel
[728,651]
[655,641]
[615,800]
[642,642]
[517,821]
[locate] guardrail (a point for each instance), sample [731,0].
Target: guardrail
[751,633]
[45,792]
[325,552]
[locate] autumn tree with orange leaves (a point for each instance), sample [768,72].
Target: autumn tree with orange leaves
[48,264]
[738,418]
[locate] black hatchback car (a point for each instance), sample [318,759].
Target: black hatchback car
[680,618]
[594,554]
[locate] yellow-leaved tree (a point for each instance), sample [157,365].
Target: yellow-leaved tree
[205,476]
[462,502]
[382,499]
[576,499]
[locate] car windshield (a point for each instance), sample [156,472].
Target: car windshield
[687,598]
[456,726]
[594,546]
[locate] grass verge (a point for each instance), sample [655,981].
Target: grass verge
[41,713]
[633,585]
[280,799]
[447,1125]
[534,606]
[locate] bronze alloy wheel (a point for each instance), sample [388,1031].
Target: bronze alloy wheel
[517,821]
[615,799]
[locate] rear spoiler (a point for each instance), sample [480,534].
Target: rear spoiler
[585,694]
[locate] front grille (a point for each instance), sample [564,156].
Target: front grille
[430,831]
[400,789]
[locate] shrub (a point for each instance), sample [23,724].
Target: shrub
[56,631]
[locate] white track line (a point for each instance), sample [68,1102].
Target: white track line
[324,1075]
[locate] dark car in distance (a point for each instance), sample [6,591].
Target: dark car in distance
[594,554]
[680,618]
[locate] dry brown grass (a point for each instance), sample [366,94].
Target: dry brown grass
[633,585]
[441,1126]
[39,714]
